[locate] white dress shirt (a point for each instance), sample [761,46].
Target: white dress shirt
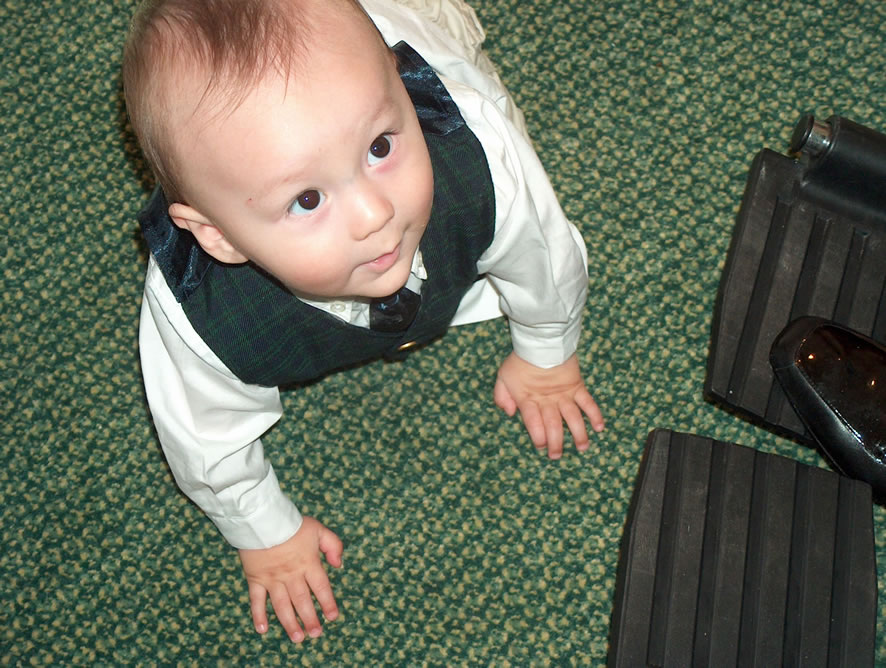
[209,422]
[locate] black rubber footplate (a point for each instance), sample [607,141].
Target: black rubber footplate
[800,246]
[734,557]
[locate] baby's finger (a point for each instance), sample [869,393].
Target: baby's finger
[331,547]
[319,584]
[257,598]
[553,423]
[304,606]
[576,423]
[503,398]
[532,420]
[586,402]
[285,614]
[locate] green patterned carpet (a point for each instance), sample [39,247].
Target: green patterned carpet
[462,545]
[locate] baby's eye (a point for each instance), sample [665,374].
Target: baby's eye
[379,149]
[307,202]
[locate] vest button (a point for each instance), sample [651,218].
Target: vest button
[407,346]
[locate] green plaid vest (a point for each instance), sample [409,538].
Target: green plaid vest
[267,336]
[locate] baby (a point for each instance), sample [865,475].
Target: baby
[324,200]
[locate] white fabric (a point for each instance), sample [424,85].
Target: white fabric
[210,423]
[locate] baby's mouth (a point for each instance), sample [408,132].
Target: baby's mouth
[386,261]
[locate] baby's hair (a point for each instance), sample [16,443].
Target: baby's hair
[233,43]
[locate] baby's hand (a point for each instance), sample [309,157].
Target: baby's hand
[289,573]
[546,397]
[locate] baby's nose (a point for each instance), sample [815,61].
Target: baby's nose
[373,209]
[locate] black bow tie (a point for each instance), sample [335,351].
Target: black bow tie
[394,313]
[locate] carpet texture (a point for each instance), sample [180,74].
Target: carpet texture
[462,545]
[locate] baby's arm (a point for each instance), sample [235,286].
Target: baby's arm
[209,424]
[537,264]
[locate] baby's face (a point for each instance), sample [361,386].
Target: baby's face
[323,181]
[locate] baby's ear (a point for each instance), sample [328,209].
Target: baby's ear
[210,238]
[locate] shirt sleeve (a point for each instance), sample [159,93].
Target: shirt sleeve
[537,262]
[209,424]
[449,36]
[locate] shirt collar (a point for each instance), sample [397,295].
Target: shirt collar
[356,312]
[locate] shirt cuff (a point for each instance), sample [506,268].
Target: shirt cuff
[274,522]
[545,346]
